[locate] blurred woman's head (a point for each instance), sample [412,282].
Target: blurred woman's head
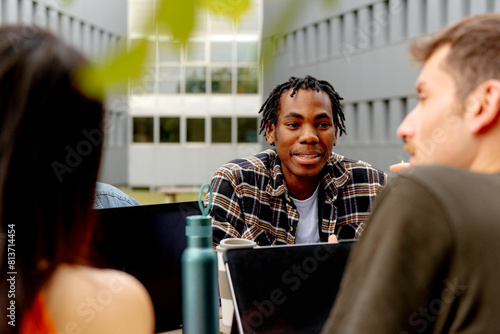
[50,148]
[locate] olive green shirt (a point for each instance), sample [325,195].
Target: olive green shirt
[429,261]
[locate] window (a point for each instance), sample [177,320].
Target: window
[169,80]
[150,45]
[195,80]
[221,52]
[247,80]
[143,129]
[144,84]
[170,130]
[247,52]
[221,80]
[250,21]
[196,51]
[221,130]
[247,130]
[169,51]
[195,130]
[220,23]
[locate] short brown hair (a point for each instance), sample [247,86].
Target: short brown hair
[474,54]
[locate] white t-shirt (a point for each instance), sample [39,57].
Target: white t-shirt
[307,229]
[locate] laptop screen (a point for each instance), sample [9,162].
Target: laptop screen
[285,289]
[147,242]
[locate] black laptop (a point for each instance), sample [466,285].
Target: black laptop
[285,289]
[147,241]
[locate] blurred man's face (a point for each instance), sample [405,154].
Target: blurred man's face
[304,135]
[434,131]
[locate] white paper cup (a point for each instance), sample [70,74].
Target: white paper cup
[225,294]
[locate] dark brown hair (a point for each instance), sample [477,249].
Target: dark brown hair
[50,150]
[474,54]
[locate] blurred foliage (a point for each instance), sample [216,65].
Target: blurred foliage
[172,17]
[177,18]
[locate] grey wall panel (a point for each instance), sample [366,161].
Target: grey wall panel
[397,112]
[380,156]
[26,11]
[299,47]
[379,25]
[53,21]
[456,9]
[398,18]
[142,171]
[480,6]
[322,40]
[364,123]
[311,43]
[436,15]
[348,33]
[379,126]
[66,29]
[290,49]
[350,124]
[108,14]
[76,32]
[114,166]
[363,31]
[367,62]
[416,18]
[335,35]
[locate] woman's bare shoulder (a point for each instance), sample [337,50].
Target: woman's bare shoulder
[90,300]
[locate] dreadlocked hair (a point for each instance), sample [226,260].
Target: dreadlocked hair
[271,107]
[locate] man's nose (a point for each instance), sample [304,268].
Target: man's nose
[406,128]
[309,134]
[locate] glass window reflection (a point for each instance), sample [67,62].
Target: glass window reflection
[247,80]
[169,80]
[221,52]
[221,130]
[143,129]
[247,52]
[221,80]
[247,130]
[195,130]
[170,130]
[195,80]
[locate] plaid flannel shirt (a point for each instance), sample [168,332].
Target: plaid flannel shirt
[251,199]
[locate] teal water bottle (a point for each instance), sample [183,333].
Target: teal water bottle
[200,301]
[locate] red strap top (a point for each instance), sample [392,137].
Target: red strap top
[38,319]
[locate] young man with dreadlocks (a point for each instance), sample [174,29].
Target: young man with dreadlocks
[300,191]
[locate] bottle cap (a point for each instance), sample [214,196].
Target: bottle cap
[201,225]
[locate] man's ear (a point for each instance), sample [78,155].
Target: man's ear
[483,107]
[336,135]
[270,132]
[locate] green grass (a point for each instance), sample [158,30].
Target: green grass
[146,197]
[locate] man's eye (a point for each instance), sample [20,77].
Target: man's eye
[292,125]
[323,125]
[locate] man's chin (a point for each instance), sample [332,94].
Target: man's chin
[308,172]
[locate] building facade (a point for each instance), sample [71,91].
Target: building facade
[94,27]
[361,47]
[197,105]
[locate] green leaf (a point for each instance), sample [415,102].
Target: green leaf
[128,64]
[233,9]
[176,17]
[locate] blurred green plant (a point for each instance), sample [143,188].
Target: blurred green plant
[177,18]
[173,17]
